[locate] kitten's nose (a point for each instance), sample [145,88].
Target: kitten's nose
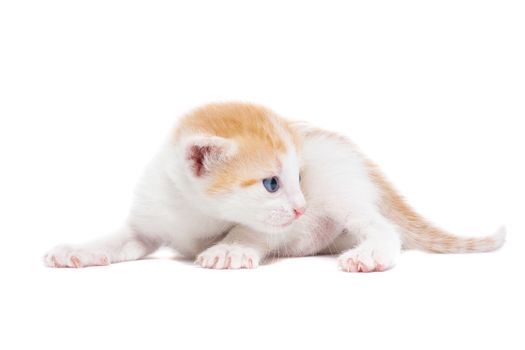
[299,212]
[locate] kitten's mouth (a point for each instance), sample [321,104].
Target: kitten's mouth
[286,224]
[281,225]
[275,228]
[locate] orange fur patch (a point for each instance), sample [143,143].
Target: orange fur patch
[248,183]
[260,134]
[417,231]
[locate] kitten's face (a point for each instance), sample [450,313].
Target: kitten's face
[242,159]
[258,188]
[270,200]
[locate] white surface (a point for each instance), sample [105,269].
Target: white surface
[434,93]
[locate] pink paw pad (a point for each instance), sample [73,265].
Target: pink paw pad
[351,265]
[379,268]
[75,261]
[55,262]
[357,266]
[362,268]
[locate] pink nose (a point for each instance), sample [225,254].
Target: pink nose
[299,212]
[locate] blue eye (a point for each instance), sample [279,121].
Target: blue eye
[271,184]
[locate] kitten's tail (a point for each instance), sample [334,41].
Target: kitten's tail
[418,233]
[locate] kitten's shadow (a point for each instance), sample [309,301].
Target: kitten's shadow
[191,262]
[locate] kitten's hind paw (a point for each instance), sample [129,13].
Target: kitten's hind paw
[66,256]
[228,256]
[367,258]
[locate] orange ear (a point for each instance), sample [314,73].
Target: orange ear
[205,153]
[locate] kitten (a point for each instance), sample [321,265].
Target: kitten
[235,183]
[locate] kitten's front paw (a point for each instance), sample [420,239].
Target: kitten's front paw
[228,256]
[368,258]
[66,256]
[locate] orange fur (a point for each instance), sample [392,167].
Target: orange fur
[418,232]
[262,137]
[234,121]
[248,183]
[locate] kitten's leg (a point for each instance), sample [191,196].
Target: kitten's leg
[241,248]
[378,248]
[123,245]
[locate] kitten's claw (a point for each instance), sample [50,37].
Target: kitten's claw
[228,256]
[66,256]
[367,258]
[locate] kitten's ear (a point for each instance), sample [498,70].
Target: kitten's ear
[204,153]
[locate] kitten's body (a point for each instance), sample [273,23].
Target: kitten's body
[202,196]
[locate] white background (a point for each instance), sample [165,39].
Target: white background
[433,91]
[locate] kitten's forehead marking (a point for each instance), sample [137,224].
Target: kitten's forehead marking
[250,125]
[261,136]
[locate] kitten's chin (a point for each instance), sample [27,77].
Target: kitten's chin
[271,229]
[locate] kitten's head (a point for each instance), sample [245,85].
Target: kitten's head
[244,160]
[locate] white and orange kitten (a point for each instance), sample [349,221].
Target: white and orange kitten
[235,183]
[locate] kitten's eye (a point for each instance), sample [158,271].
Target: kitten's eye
[300,178]
[271,184]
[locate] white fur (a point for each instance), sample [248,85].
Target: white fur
[172,208]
